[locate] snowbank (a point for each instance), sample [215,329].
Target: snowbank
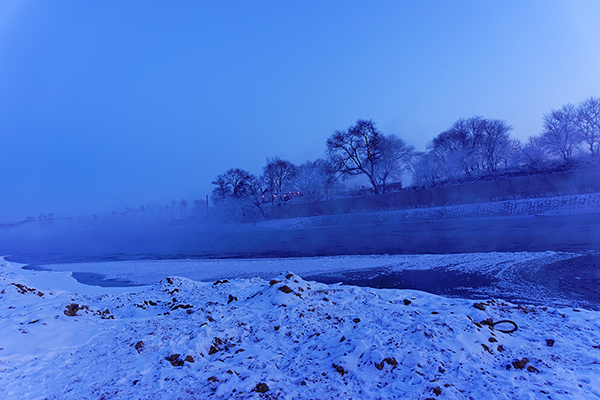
[284,338]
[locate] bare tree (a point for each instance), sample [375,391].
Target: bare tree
[254,194]
[425,168]
[199,208]
[560,137]
[587,120]
[182,206]
[173,204]
[531,155]
[222,188]
[242,195]
[356,151]
[395,155]
[238,181]
[277,173]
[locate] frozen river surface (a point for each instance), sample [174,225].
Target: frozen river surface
[549,258]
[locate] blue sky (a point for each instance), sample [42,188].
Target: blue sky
[111,104]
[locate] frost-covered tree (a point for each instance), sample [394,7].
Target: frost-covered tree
[587,120]
[327,174]
[395,155]
[494,145]
[314,179]
[308,181]
[468,147]
[425,168]
[531,154]
[456,149]
[560,137]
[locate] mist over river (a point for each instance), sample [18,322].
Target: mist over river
[80,242]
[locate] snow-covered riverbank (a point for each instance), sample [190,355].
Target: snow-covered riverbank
[545,206]
[286,337]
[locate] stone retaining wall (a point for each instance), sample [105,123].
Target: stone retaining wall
[559,184]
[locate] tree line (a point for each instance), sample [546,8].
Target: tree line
[471,147]
[479,146]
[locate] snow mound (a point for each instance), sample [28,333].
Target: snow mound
[287,338]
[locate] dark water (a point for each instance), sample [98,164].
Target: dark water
[571,282]
[437,280]
[88,278]
[577,278]
[93,279]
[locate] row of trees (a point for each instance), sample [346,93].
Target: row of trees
[360,150]
[479,146]
[570,128]
[245,195]
[470,147]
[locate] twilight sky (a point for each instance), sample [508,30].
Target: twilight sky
[111,104]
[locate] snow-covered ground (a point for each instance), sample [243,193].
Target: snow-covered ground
[283,337]
[548,206]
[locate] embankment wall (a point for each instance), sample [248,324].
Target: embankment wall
[572,182]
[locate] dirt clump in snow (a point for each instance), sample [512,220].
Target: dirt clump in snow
[24,289]
[286,289]
[174,360]
[72,309]
[520,364]
[261,388]
[531,368]
[340,369]
[389,360]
